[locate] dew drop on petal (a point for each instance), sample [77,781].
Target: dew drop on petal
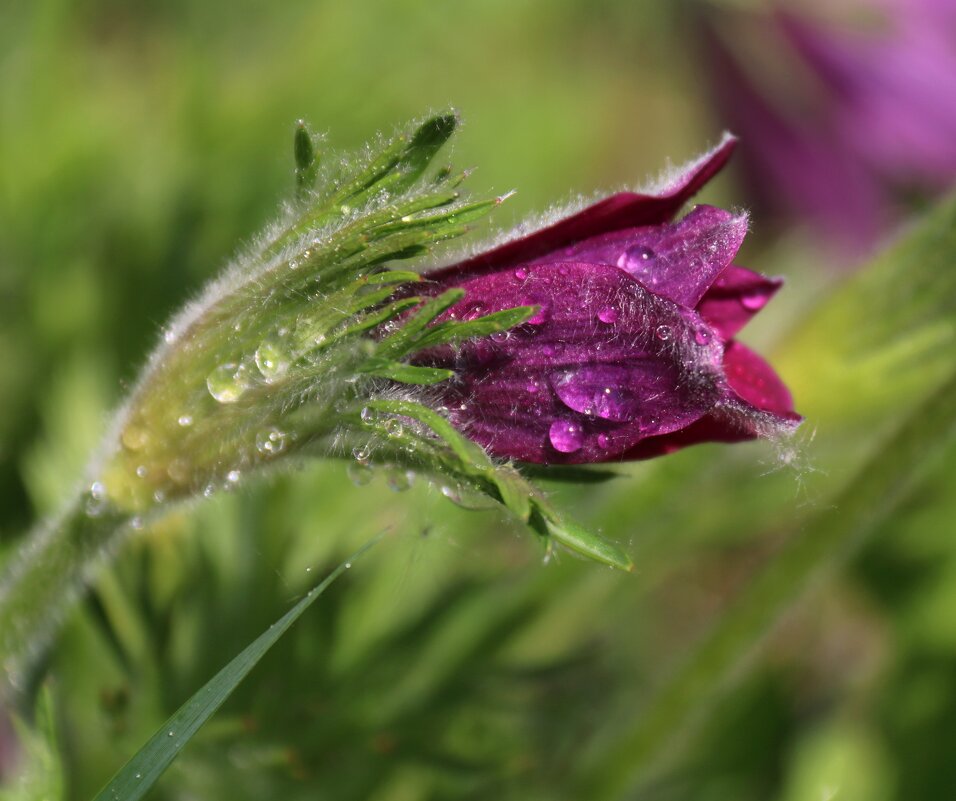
[702,336]
[608,315]
[470,311]
[185,420]
[598,391]
[753,301]
[663,332]
[541,315]
[636,258]
[603,441]
[521,273]
[233,476]
[361,454]
[566,436]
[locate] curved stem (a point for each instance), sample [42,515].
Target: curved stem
[48,571]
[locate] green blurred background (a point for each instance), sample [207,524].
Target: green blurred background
[142,144]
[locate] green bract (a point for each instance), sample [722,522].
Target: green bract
[299,349]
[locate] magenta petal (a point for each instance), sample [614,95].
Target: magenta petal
[677,261]
[623,210]
[736,296]
[755,381]
[607,364]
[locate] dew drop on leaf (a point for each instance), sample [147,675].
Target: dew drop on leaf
[227,382]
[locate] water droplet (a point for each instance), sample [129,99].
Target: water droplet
[97,499]
[271,441]
[470,311]
[542,314]
[467,498]
[227,382]
[636,259]
[134,437]
[233,476]
[185,420]
[603,441]
[359,473]
[348,565]
[566,436]
[209,490]
[521,273]
[608,315]
[500,336]
[753,300]
[361,454]
[169,733]
[702,336]
[139,775]
[136,523]
[663,332]
[532,387]
[178,470]
[159,496]
[399,480]
[367,415]
[169,336]
[600,391]
[272,359]
[141,471]
[393,427]
[308,570]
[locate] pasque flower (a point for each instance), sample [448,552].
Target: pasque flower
[848,111]
[631,352]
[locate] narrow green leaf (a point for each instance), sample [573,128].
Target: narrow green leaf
[392,277]
[458,330]
[472,457]
[457,215]
[407,373]
[547,521]
[406,338]
[135,778]
[306,162]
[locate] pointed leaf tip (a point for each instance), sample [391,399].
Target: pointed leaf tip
[303,151]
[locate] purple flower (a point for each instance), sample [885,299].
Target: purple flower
[632,352]
[848,115]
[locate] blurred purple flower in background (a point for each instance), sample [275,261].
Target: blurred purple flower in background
[632,352]
[849,113]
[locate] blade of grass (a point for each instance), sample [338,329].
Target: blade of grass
[139,775]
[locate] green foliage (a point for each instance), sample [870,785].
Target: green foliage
[139,775]
[452,665]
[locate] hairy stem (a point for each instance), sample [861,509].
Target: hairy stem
[47,573]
